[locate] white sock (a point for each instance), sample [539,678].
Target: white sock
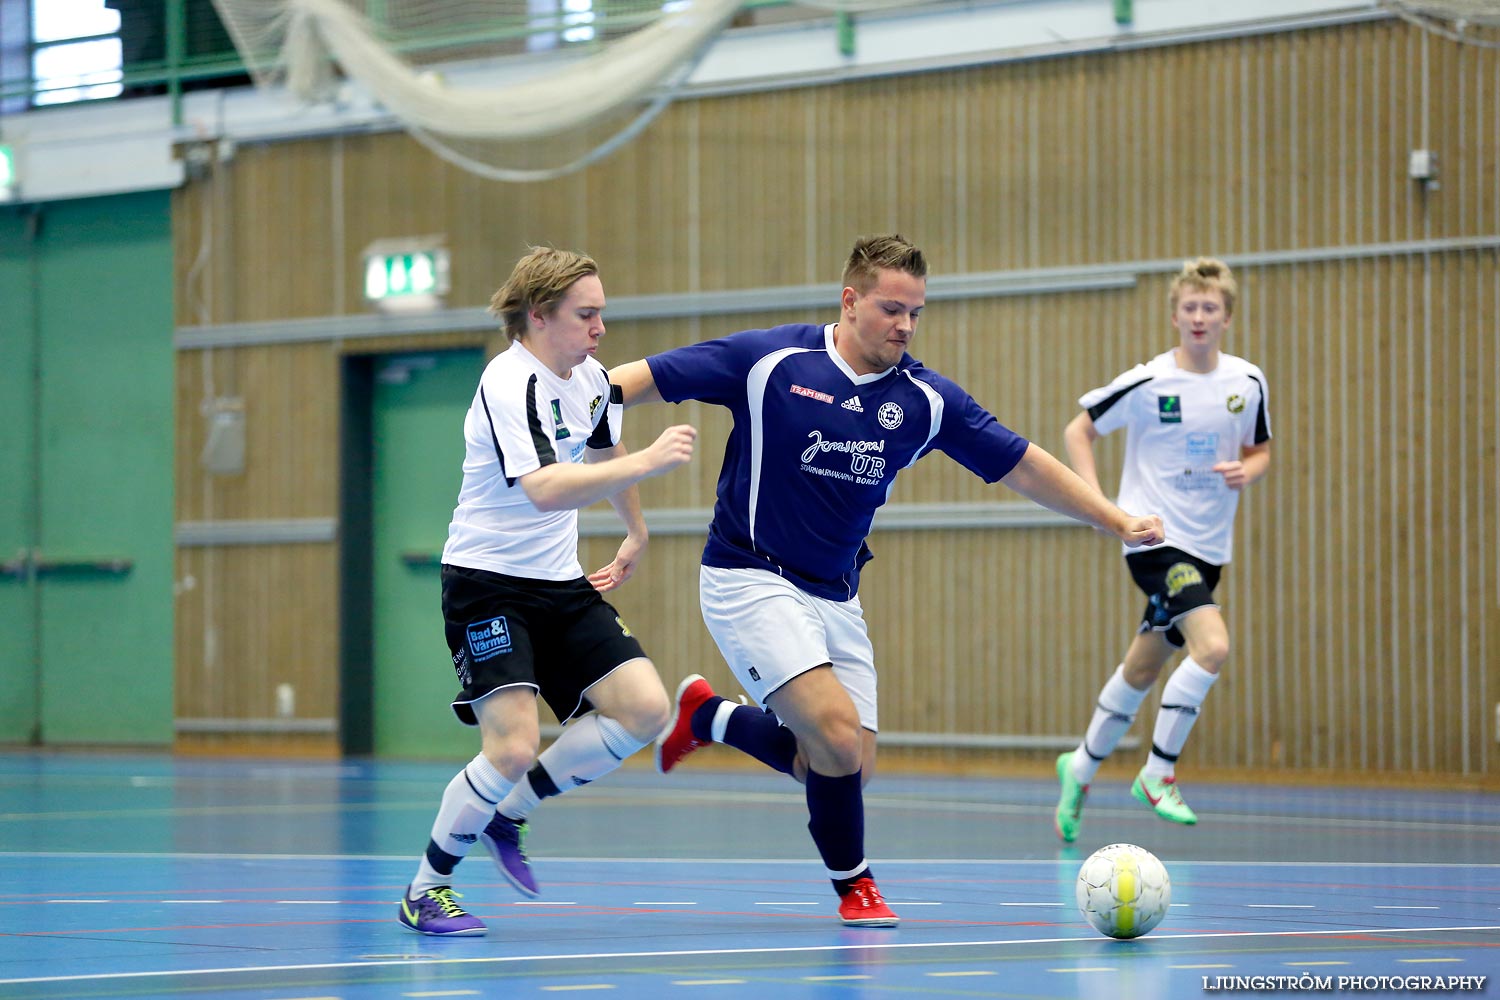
[721,720]
[1115,711]
[468,803]
[589,748]
[1180,701]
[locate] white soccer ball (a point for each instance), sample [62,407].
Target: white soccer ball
[1123,890]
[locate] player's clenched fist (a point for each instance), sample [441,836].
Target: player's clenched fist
[1146,530]
[673,448]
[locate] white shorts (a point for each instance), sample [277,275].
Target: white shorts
[769,630]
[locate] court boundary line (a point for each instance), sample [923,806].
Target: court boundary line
[684,953]
[101,855]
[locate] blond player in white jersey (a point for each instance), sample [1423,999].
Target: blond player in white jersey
[542,439]
[1197,433]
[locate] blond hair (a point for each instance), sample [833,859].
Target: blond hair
[887,252]
[539,281]
[1205,275]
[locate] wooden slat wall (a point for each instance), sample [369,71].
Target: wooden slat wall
[1363,599]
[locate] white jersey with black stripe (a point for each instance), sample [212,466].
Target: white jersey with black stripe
[1178,425]
[524,416]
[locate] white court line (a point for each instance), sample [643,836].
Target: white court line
[798,861]
[699,952]
[1394,907]
[662,902]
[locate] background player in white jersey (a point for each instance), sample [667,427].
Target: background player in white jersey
[824,418]
[520,615]
[1196,434]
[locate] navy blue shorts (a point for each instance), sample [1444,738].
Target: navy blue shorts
[1175,583]
[556,636]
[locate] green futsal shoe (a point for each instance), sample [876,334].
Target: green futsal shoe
[1162,795]
[1070,802]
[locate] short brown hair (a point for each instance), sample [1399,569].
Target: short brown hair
[539,281]
[887,252]
[1205,275]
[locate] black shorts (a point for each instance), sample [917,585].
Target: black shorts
[556,636]
[1175,583]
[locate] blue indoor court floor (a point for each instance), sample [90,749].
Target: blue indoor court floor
[125,876]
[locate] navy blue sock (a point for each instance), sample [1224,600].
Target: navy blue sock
[750,730]
[762,736]
[836,820]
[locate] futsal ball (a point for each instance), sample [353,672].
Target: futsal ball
[1123,890]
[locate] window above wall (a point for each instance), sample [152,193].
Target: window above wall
[76,53]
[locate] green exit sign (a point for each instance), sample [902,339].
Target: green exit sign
[405,276]
[7,173]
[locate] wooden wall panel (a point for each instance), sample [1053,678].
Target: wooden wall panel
[291,399]
[1363,598]
[251,618]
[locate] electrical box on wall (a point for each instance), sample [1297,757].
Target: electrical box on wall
[1421,165]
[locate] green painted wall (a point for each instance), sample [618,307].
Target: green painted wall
[18,405]
[99,273]
[417,427]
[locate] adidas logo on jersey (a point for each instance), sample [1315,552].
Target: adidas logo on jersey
[852,403]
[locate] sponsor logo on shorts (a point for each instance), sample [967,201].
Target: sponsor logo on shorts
[624,629]
[461,667]
[754,674]
[1169,409]
[822,397]
[488,639]
[890,416]
[1235,403]
[1180,576]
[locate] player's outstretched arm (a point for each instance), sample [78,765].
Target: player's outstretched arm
[636,383]
[1042,479]
[568,486]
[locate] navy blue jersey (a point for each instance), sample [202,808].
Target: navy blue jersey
[815,448]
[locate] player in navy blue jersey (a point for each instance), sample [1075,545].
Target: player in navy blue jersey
[824,418]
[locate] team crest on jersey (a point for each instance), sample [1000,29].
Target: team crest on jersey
[852,403]
[890,416]
[1169,409]
[559,429]
[1236,403]
[822,397]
